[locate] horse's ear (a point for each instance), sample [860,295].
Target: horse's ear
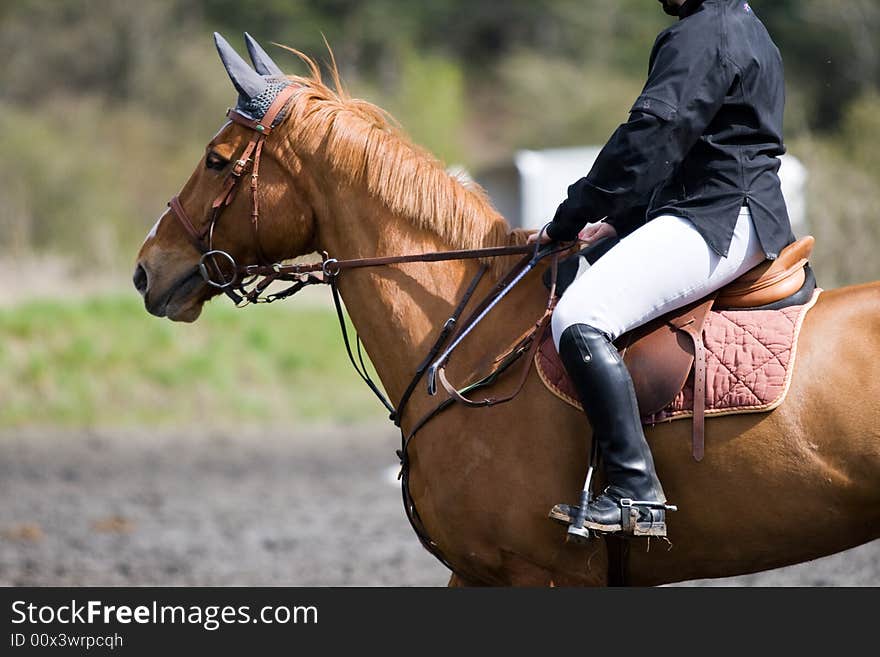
[247,81]
[262,62]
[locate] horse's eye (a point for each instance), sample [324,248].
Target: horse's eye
[214,161]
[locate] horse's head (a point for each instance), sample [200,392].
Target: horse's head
[225,214]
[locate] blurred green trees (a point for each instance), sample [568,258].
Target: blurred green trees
[105,105]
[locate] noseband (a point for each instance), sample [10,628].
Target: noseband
[203,240]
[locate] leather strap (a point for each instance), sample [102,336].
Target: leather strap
[255,211]
[332,266]
[196,237]
[362,369]
[694,329]
[236,117]
[533,339]
[445,332]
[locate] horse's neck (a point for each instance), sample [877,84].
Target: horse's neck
[397,310]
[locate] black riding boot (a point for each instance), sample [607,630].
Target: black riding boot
[606,391]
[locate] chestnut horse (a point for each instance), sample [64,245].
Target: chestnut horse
[776,488]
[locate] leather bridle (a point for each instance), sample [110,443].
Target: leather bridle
[203,240]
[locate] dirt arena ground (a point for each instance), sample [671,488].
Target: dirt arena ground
[316,508]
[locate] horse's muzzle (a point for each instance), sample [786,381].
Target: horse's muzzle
[140,279]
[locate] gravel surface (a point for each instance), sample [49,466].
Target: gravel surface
[317,508]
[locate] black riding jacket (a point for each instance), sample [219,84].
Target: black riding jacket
[702,139]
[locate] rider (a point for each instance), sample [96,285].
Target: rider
[690,182]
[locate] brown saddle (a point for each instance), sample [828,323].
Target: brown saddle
[661,354]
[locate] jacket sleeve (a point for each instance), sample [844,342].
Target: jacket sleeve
[688,81]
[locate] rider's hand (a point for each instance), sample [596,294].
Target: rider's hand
[595,232]
[545,238]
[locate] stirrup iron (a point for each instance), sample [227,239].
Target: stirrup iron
[629,517]
[630,526]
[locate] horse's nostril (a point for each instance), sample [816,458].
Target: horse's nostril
[140,279]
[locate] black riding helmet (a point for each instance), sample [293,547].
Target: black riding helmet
[669,8]
[673,9]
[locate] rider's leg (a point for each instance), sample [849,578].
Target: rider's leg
[606,392]
[663,265]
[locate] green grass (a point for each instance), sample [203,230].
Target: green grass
[106,362]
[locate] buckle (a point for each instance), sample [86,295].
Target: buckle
[239,167]
[629,516]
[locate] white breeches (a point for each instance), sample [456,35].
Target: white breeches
[659,267]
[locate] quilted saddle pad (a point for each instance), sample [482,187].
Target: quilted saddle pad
[750,358]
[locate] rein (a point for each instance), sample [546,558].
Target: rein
[251,281]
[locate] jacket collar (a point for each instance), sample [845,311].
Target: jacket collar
[688,8]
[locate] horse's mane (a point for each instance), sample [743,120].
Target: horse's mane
[363,143]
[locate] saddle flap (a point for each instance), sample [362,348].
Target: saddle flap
[660,354]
